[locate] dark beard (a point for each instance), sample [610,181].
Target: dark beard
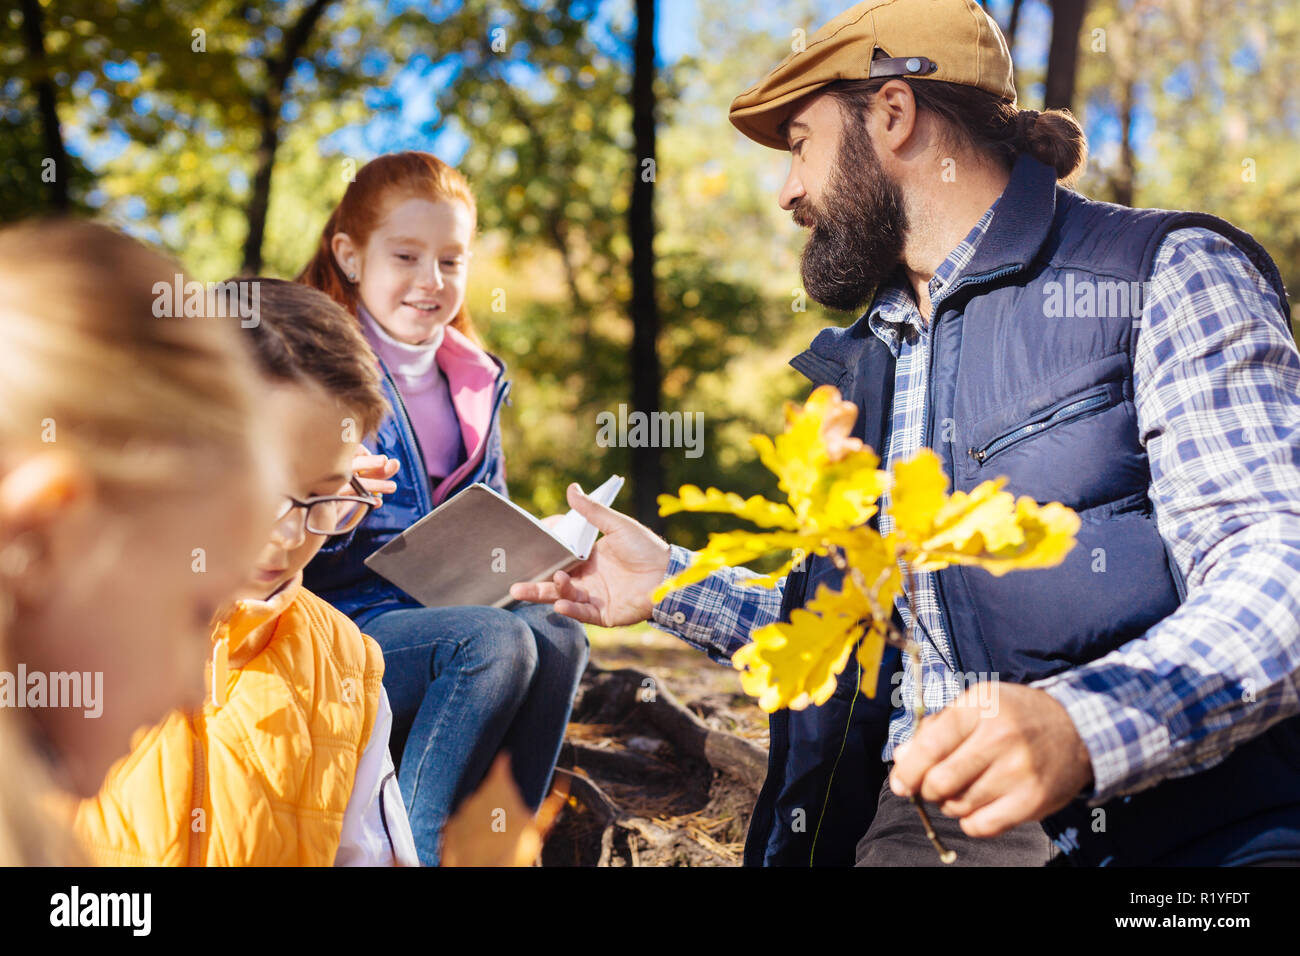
[857,231]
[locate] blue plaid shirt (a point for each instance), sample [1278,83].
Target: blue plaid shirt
[1217,390]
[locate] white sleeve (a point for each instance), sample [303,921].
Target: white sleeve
[376,830]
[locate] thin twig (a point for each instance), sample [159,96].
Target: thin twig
[914,651]
[909,646]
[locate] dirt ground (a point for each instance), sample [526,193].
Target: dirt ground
[653,802]
[690,674]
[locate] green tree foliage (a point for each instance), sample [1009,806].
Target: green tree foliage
[175,98]
[32,52]
[164,138]
[550,162]
[1215,84]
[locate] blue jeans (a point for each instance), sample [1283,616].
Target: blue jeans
[465,683]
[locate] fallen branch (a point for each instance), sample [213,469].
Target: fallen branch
[587,792]
[617,695]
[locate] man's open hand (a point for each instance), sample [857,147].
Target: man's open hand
[612,587]
[995,761]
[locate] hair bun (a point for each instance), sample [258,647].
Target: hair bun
[1025,121]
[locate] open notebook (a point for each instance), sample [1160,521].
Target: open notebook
[474,545]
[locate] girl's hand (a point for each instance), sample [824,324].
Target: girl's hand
[374,471]
[612,587]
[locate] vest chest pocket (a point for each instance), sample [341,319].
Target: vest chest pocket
[1081,448]
[1066,411]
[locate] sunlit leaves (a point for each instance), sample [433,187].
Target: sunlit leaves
[986,527]
[832,485]
[756,509]
[830,481]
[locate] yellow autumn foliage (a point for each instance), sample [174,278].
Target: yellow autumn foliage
[832,486]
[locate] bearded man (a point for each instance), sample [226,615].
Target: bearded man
[1137,365]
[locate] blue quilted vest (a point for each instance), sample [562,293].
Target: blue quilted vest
[1031,383]
[824,769]
[338,573]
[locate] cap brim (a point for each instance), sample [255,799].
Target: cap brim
[762,122]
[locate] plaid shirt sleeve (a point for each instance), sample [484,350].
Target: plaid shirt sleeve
[1217,388]
[718,614]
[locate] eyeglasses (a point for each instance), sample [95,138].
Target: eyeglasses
[332,514]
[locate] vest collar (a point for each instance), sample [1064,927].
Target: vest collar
[249,625]
[1020,225]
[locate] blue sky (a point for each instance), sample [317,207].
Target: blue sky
[676,35]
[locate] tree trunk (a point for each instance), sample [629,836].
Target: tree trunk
[46,103]
[259,201]
[267,107]
[1125,179]
[1063,54]
[1125,49]
[647,466]
[1013,25]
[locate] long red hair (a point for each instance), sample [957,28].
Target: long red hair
[379,184]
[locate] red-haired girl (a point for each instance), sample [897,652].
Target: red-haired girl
[464,682]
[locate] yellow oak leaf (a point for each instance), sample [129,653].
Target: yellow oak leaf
[731,548]
[833,486]
[917,493]
[756,509]
[1048,536]
[829,478]
[870,653]
[836,421]
[986,527]
[795,664]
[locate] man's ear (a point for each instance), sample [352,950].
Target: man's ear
[895,120]
[346,254]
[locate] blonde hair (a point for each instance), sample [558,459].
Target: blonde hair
[144,404]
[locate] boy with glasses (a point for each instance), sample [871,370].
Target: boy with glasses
[287,763]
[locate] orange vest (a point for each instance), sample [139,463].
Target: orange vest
[263,778]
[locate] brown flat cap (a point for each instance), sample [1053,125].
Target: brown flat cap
[954,41]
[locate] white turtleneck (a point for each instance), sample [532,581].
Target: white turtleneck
[424,391]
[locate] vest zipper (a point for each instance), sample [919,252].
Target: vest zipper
[1021,432]
[925,443]
[985,277]
[929,432]
[415,439]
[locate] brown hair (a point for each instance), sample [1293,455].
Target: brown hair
[985,123]
[305,336]
[379,184]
